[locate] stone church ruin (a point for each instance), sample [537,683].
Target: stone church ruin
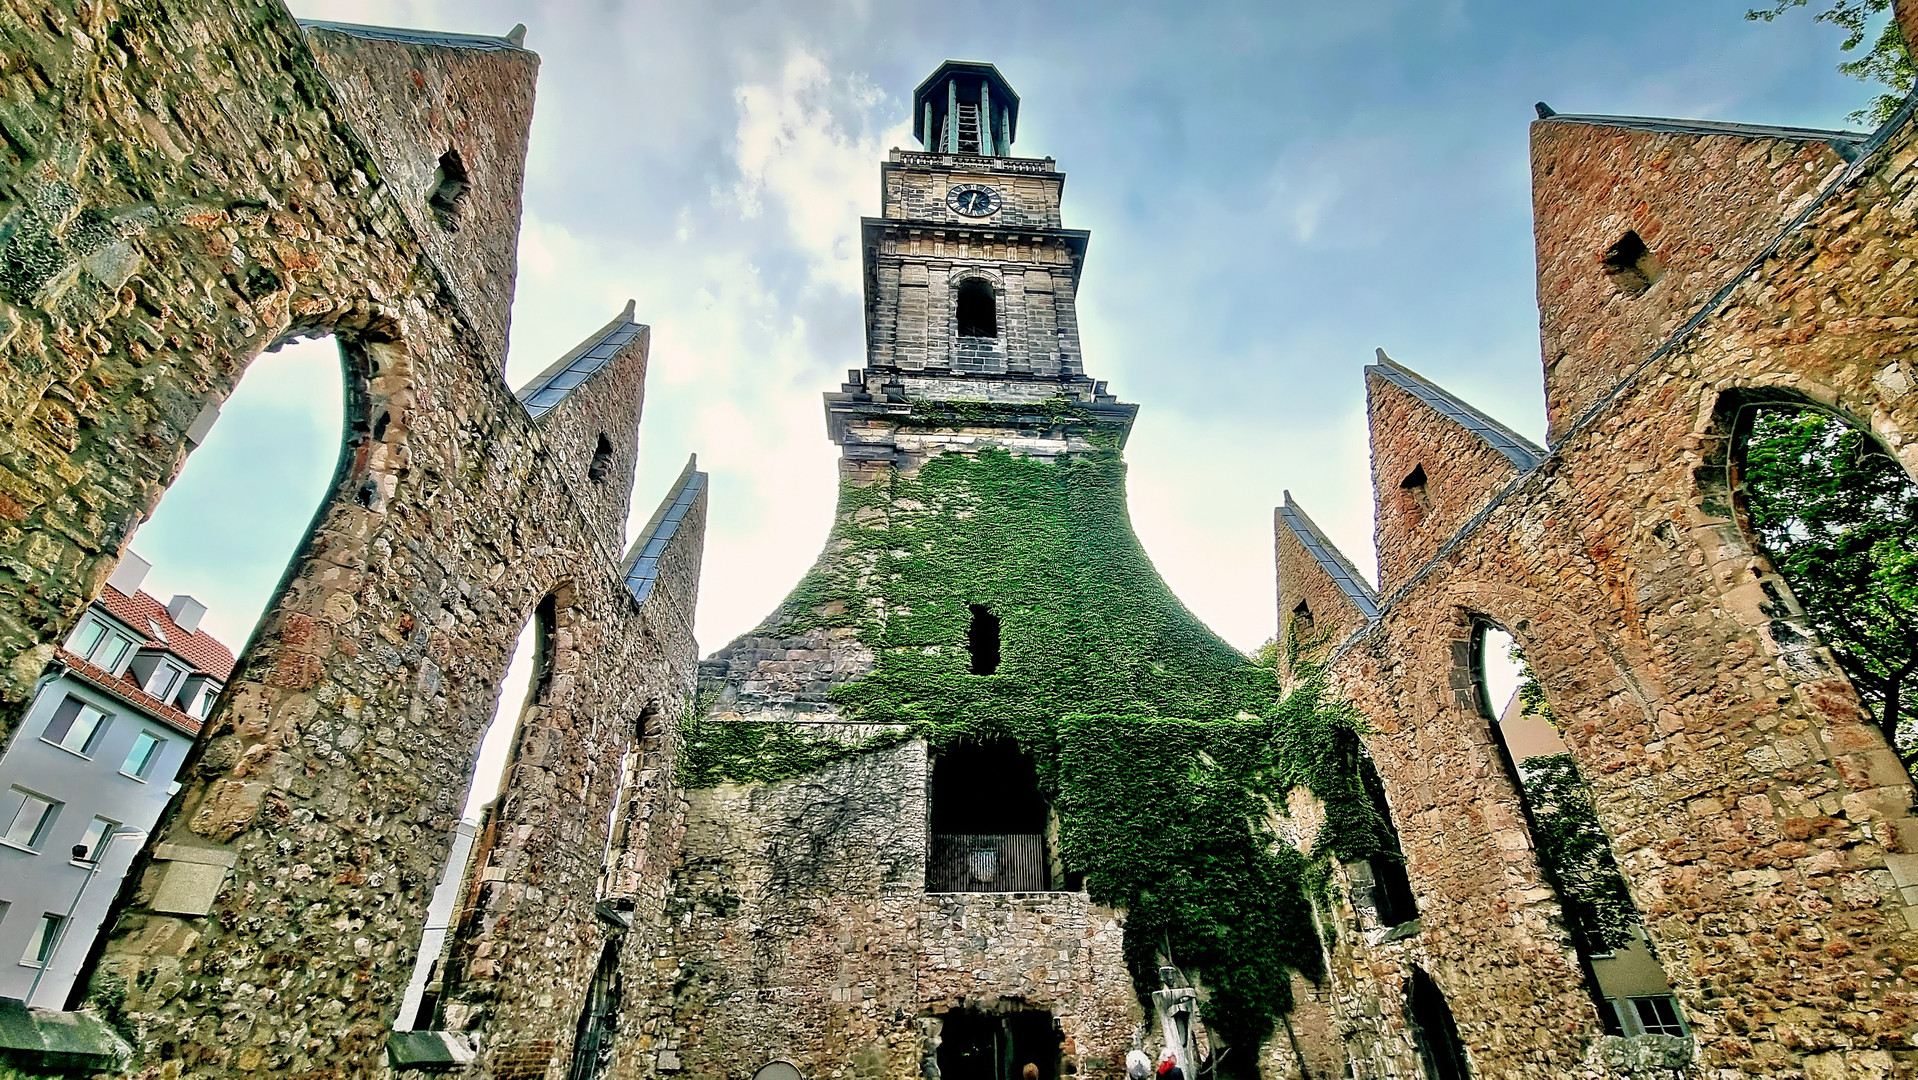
[980,799]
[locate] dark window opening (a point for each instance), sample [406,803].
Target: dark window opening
[977,1045]
[1415,496]
[978,309]
[982,640]
[988,821]
[450,185]
[1434,1031]
[1658,1016]
[1632,266]
[598,1019]
[602,461]
[1392,895]
[546,623]
[1301,621]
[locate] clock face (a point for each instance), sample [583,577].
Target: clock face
[972,200]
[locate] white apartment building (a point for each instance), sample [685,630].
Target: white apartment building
[89,771]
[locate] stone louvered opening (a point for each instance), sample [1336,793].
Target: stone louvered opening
[1632,266]
[1433,1030]
[985,1043]
[977,309]
[982,641]
[988,821]
[450,185]
[602,460]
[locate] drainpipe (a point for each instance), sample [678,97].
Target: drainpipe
[60,935]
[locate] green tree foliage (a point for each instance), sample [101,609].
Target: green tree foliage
[1839,518]
[1887,62]
[1576,853]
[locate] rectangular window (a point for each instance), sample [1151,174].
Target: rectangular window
[97,832]
[140,759]
[1659,1015]
[45,937]
[32,820]
[165,678]
[76,726]
[86,637]
[111,653]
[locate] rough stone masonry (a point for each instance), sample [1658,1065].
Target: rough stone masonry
[187,184]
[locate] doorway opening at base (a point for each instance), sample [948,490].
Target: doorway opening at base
[998,1042]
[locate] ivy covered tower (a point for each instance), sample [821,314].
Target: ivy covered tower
[970,706]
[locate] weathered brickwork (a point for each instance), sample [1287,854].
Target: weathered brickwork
[188,184]
[801,930]
[1765,828]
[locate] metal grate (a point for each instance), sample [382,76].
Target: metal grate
[1010,863]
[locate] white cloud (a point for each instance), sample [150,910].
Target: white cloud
[807,146]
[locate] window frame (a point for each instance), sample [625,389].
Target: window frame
[95,841]
[101,720]
[157,743]
[1670,1001]
[44,940]
[42,825]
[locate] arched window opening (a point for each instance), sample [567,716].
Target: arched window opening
[978,309]
[459,890]
[1414,496]
[450,185]
[1632,266]
[982,640]
[598,1018]
[218,543]
[988,821]
[1837,516]
[1574,852]
[1433,1030]
[602,461]
[1390,890]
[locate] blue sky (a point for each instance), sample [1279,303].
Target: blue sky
[1274,190]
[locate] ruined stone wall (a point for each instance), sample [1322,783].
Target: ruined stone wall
[1704,204]
[801,931]
[1762,823]
[188,187]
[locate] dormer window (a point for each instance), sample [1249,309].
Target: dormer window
[100,644]
[978,309]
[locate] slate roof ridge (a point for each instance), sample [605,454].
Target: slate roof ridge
[1846,143]
[1517,449]
[199,648]
[407,36]
[642,569]
[583,361]
[1330,558]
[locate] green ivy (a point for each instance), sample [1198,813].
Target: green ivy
[1164,750]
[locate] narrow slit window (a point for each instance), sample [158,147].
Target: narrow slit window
[45,937]
[978,310]
[1415,495]
[450,185]
[982,640]
[1302,621]
[1632,266]
[602,461]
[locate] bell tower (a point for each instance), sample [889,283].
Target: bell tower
[970,285]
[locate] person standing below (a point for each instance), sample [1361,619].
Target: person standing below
[1169,1066]
[1137,1065]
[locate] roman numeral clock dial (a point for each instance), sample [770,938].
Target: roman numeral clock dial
[972,200]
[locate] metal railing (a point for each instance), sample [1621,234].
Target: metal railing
[1011,863]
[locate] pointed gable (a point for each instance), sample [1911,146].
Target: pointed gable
[1639,221]
[1322,596]
[1436,461]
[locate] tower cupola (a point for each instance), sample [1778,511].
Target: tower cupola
[965,108]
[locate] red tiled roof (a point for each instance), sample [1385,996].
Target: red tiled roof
[129,691]
[197,648]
